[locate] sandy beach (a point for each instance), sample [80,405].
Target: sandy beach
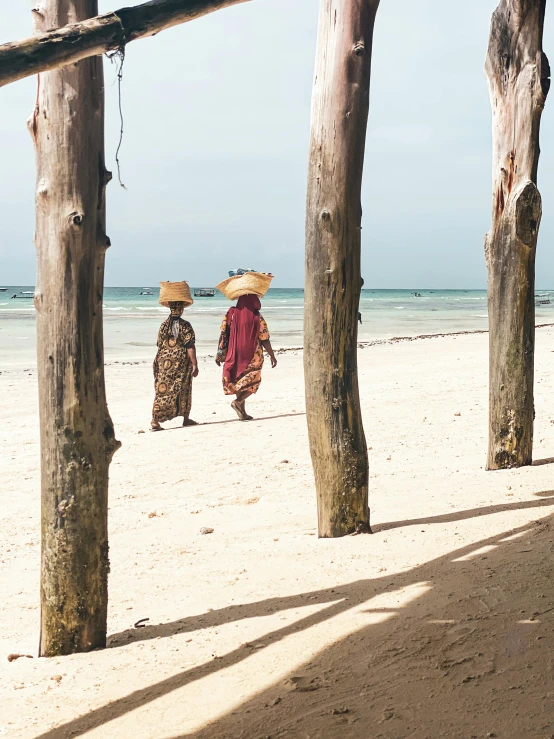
[438,625]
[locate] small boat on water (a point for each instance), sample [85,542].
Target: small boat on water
[3,289]
[147,291]
[204,292]
[24,295]
[543,299]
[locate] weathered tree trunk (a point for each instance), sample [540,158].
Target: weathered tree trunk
[518,75]
[94,36]
[77,435]
[333,281]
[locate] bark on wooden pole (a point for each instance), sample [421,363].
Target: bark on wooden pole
[333,281]
[95,36]
[518,74]
[77,435]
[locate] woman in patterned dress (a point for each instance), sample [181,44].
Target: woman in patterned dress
[174,367]
[244,336]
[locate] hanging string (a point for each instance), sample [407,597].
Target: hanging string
[119,55]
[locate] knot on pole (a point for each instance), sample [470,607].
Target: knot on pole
[528,211]
[325,216]
[544,73]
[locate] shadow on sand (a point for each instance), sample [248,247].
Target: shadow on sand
[471,513]
[233,420]
[471,657]
[540,462]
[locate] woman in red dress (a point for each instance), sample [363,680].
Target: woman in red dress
[244,336]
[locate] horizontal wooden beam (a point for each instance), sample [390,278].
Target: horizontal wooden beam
[98,35]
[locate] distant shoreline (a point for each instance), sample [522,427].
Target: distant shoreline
[301,287]
[30,286]
[292,349]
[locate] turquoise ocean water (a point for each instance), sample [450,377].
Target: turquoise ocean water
[131,320]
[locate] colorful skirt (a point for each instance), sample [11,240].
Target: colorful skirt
[251,377]
[173,385]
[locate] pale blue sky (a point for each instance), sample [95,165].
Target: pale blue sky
[215,149]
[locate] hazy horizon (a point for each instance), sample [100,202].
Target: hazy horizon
[141,285]
[215,149]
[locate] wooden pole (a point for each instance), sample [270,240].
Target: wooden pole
[79,40]
[76,432]
[333,282]
[518,75]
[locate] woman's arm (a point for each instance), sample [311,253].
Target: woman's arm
[189,340]
[191,351]
[159,344]
[161,335]
[263,338]
[223,342]
[269,349]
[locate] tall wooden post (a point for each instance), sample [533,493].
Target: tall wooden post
[76,432]
[518,75]
[333,281]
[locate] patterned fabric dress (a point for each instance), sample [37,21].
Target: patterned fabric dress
[173,370]
[252,376]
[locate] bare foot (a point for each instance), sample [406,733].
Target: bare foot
[155,426]
[189,422]
[239,410]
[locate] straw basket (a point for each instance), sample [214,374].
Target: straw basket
[250,283]
[175,292]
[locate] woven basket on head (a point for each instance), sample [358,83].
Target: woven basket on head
[250,283]
[175,292]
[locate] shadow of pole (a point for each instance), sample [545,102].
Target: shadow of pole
[234,420]
[471,657]
[540,462]
[239,612]
[464,515]
[340,600]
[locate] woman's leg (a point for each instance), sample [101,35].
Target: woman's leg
[238,405]
[239,410]
[241,400]
[155,424]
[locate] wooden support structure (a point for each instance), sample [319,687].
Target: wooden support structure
[333,281]
[77,435]
[519,78]
[77,40]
